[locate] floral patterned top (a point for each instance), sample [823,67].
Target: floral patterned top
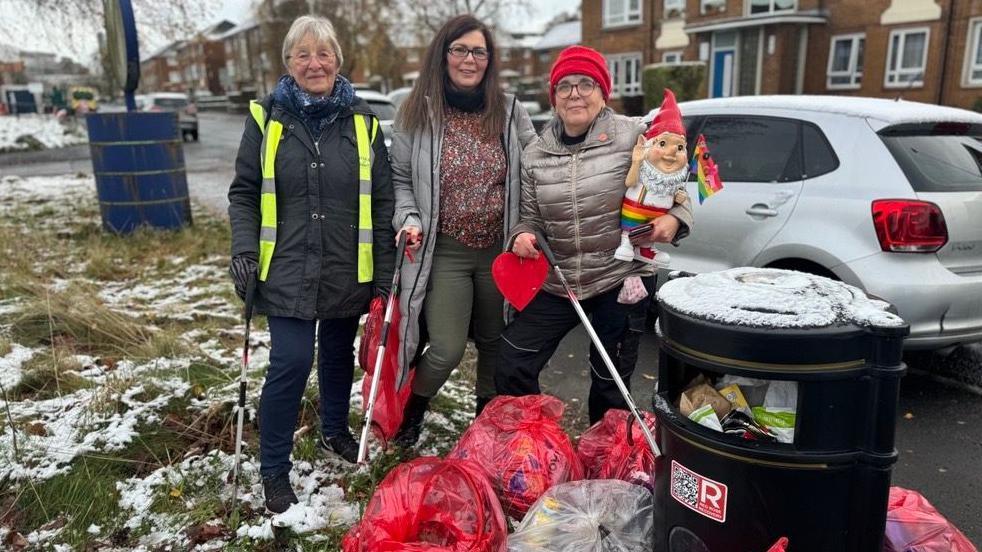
[472,182]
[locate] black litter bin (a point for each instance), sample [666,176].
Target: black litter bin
[826,491]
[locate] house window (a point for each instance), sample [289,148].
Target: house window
[174,76]
[621,12]
[712,6]
[505,54]
[846,61]
[671,57]
[771,6]
[906,58]
[412,56]
[674,8]
[974,58]
[625,73]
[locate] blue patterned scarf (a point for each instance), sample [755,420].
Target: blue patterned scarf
[316,111]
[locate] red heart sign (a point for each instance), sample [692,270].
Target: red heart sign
[519,279]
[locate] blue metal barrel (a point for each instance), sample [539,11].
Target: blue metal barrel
[138,160]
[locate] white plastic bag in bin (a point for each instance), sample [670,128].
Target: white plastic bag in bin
[603,515]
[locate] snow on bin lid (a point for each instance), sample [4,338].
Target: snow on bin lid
[772,298]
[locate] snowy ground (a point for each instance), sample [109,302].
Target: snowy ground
[38,131]
[116,404]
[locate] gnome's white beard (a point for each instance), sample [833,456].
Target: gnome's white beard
[661,183]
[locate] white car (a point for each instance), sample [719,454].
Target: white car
[384,110]
[187,112]
[399,95]
[881,194]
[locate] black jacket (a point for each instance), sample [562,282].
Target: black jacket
[314,270]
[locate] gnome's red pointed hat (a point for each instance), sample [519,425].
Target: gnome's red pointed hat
[668,119]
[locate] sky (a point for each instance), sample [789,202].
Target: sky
[76,37]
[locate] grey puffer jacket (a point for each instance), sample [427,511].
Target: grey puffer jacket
[314,270]
[573,194]
[416,179]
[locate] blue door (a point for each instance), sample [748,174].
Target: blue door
[723,72]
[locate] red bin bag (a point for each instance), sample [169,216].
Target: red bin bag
[608,451]
[522,448]
[389,402]
[913,525]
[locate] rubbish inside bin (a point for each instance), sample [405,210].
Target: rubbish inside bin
[706,416]
[733,394]
[607,451]
[522,448]
[606,515]
[431,505]
[700,393]
[913,524]
[753,389]
[738,423]
[780,546]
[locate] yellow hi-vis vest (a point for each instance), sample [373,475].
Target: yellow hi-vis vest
[267,205]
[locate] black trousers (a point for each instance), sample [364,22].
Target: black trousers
[530,340]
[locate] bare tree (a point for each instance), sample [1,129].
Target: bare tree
[430,16]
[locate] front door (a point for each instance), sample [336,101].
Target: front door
[723,64]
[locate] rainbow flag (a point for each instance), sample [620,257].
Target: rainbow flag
[705,169]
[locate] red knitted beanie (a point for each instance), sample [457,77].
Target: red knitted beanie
[579,60]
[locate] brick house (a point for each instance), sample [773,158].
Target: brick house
[248,69]
[160,72]
[918,49]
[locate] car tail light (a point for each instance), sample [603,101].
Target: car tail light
[909,226]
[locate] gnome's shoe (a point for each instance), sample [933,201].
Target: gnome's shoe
[652,256]
[625,251]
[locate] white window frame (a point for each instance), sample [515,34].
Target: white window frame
[505,54]
[618,65]
[677,5]
[624,17]
[704,4]
[666,57]
[412,56]
[855,76]
[772,9]
[973,45]
[897,72]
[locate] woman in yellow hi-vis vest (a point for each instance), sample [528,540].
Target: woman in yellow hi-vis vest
[311,208]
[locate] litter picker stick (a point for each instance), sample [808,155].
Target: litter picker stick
[390,305]
[543,245]
[250,294]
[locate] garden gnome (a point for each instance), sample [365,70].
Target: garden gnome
[655,182]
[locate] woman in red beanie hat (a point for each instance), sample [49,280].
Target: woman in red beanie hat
[572,186]
[456,164]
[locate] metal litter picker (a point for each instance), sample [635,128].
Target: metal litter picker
[391,304]
[543,245]
[250,295]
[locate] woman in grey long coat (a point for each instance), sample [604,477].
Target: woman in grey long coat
[456,172]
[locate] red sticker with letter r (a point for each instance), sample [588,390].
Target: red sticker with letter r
[699,494]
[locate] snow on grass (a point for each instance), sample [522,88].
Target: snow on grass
[10,365]
[38,131]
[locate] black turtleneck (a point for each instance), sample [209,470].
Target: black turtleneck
[572,140]
[469,101]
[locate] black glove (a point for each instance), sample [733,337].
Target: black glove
[242,268]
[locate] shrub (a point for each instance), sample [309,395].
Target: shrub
[687,80]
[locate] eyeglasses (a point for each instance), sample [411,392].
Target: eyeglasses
[585,87]
[303,59]
[480,54]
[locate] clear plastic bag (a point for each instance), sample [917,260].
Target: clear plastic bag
[431,505]
[522,448]
[604,515]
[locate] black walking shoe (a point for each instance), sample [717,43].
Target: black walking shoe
[412,422]
[343,444]
[279,493]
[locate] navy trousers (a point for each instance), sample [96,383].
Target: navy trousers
[290,358]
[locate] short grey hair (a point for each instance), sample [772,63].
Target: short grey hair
[318,27]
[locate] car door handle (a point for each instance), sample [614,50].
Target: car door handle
[761,210]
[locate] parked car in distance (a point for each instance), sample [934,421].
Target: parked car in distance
[884,195]
[384,110]
[399,95]
[187,112]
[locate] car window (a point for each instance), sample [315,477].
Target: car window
[692,125]
[754,149]
[938,158]
[170,103]
[819,157]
